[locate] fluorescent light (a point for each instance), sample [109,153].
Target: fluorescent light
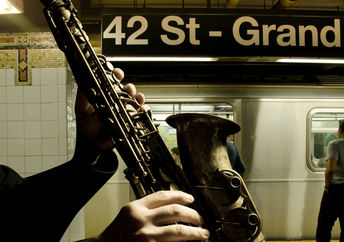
[11,6]
[180,59]
[315,61]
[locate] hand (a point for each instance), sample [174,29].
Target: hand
[154,218]
[91,136]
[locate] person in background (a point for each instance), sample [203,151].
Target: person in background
[332,203]
[328,139]
[234,156]
[175,155]
[41,207]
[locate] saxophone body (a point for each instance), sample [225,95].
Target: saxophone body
[150,166]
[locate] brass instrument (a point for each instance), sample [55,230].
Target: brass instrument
[150,166]
[203,154]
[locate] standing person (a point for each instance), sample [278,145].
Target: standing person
[234,156]
[332,203]
[41,207]
[328,139]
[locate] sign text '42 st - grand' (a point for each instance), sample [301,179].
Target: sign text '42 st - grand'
[220,35]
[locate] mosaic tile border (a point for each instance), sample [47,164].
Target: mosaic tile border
[24,51]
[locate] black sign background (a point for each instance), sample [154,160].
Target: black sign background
[226,45]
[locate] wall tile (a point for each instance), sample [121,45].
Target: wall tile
[33,147]
[15,147]
[50,129]
[15,94]
[49,94]
[2,77]
[63,159]
[61,90]
[62,129]
[49,111]
[3,94]
[33,164]
[10,80]
[61,76]
[33,129]
[3,159]
[32,94]
[3,130]
[36,76]
[48,76]
[63,146]
[32,111]
[77,229]
[62,112]
[15,129]
[15,112]
[65,237]
[49,161]
[3,147]
[3,111]
[17,163]
[50,146]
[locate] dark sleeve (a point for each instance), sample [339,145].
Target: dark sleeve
[231,153]
[41,207]
[9,179]
[240,165]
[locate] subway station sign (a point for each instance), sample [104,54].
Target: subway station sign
[222,34]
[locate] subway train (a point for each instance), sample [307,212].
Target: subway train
[283,128]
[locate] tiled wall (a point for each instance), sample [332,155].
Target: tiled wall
[33,133]
[33,108]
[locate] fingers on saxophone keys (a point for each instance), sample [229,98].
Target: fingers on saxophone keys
[118,73]
[175,213]
[130,89]
[140,98]
[180,232]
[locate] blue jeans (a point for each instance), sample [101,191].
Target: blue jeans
[331,208]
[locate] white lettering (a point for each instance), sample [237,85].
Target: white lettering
[179,32]
[336,32]
[266,32]
[302,35]
[254,33]
[192,26]
[247,31]
[286,38]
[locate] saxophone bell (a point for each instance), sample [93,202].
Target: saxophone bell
[203,153]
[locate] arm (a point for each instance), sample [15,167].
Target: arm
[154,218]
[330,168]
[42,206]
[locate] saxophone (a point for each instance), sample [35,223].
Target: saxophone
[150,166]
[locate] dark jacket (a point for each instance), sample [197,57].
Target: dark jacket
[41,207]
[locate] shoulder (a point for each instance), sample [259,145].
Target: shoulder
[8,178]
[336,142]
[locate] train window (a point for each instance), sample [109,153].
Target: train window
[162,110]
[322,129]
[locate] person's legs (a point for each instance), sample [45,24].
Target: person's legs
[340,206]
[326,219]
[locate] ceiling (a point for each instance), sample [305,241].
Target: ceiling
[32,20]
[233,71]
